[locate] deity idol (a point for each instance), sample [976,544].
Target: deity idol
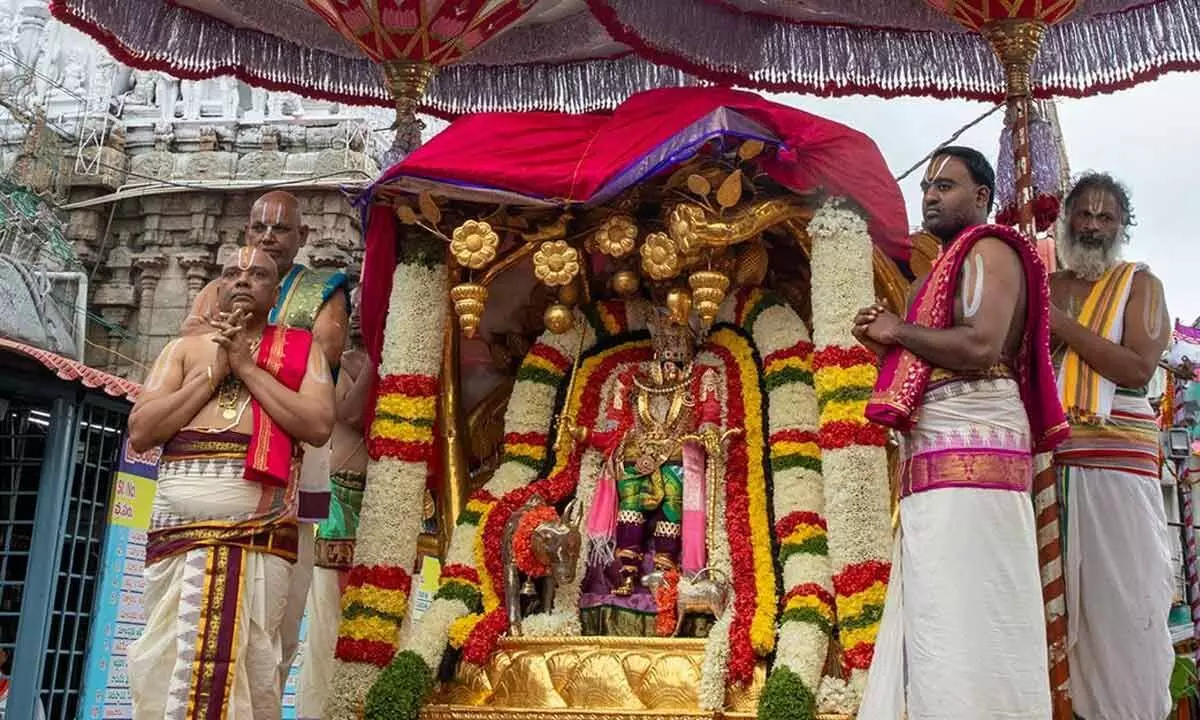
[649,512]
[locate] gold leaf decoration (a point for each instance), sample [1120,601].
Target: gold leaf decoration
[699,185]
[731,190]
[429,208]
[407,215]
[750,149]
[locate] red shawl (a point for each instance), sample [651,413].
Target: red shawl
[904,376]
[283,352]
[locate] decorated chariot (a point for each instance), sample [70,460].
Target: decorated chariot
[649,419]
[592,241]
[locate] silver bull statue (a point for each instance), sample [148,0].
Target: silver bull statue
[555,543]
[705,592]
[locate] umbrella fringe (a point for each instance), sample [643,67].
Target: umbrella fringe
[678,41]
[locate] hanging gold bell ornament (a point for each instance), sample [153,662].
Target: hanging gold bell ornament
[708,292]
[558,318]
[469,299]
[625,283]
[751,267]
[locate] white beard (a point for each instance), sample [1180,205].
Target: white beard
[1088,262]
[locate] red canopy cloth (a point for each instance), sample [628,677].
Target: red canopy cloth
[543,158]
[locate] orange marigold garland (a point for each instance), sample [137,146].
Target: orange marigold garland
[522,540]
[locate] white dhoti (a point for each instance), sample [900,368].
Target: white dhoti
[297,597]
[963,635]
[324,614]
[218,568]
[313,508]
[1117,569]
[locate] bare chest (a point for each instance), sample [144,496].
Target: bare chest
[1070,293]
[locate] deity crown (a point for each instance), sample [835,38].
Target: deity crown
[672,341]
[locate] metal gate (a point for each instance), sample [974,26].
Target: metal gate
[61,448]
[22,446]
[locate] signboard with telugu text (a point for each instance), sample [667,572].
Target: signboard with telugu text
[117,619]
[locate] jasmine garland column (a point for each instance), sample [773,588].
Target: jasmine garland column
[401,444]
[853,456]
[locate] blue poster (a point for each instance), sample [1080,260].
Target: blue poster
[117,619]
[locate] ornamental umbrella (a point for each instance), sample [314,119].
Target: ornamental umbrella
[973,49]
[382,52]
[583,55]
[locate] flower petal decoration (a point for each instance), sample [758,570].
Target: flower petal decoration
[474,244]
[556,263]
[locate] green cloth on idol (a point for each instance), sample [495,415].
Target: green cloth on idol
[646,493]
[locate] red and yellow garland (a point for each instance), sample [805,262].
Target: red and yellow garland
[752,631]
[373,607]
[404,418]
[844,377]
[376,597]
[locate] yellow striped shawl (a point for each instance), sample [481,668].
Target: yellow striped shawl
[1086,395]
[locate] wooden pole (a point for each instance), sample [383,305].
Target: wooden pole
[1016,43]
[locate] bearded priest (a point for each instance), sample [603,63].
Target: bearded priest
[1110,327]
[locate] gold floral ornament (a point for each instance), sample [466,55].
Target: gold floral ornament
[474,244]
[660,257]
[682,223]
[617,236]
[556,263]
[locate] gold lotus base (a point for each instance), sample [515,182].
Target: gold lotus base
[592,678]
[469,712]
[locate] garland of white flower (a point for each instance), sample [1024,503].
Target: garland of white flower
[854,459]
[385,552]
[806,612]
[710,694]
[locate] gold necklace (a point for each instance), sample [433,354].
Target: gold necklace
[229,392]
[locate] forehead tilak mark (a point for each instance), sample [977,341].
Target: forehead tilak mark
[245,259]
[936,168]
[264,208]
